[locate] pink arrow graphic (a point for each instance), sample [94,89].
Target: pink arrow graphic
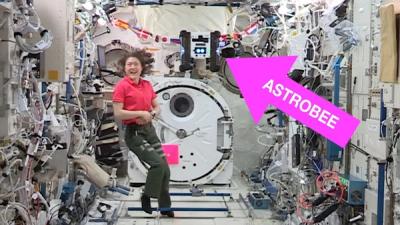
[264,81]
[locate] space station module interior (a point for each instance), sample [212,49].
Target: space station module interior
[63,156]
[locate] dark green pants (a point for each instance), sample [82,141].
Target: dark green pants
[143,141]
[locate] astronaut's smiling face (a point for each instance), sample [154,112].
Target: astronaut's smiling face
[133,68]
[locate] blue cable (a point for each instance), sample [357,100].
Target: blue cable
[319,171]
[123,187]
[121,191]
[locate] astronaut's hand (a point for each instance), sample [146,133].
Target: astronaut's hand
[145,118]
[141,121]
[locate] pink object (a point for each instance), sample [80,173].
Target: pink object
[171,151]
[264,81]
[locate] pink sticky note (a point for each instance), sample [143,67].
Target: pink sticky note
[171,152]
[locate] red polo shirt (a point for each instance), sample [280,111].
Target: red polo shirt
[135,97]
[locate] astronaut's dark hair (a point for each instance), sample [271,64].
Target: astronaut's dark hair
[145,58]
